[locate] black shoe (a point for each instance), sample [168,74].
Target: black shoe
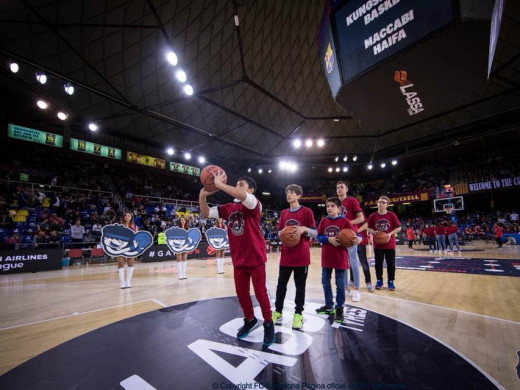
[269,335]
[325,310]
[339,314]
[248,327]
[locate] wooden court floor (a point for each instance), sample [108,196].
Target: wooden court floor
[476,315]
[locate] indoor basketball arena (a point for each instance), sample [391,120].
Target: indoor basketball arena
[250,194]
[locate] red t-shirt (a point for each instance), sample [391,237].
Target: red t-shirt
[334,256]
[299,255]
[349,207]
[246,243]
[363,234]
[385,223]
[439,230]
[498,232]
[429,232]
[451,229]
[410,234]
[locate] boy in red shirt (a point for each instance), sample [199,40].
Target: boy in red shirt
[297,258]
[498,234]
[333,257]
[430,237]
[384,221]
[247,247]
[451,232]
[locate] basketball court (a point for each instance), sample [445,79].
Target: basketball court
[77,327]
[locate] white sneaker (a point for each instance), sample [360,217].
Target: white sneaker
[370,287]
[347,290]
[356,296]
[122,284]
[128,285]
[431,251]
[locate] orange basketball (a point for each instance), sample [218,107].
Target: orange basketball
[207,178]
[380,237]
[346,236]
[287,238]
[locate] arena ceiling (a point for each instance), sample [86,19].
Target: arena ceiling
[257,85]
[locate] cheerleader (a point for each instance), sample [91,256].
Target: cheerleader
[221,252]
[128,221]
[182,258]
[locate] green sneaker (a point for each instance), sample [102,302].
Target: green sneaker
[297,322]
[277,317]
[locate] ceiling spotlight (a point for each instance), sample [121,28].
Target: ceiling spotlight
[42,104]
[172,58]
[69,88]
[337,169]
[320,143]
[345,158]
[41,77]
[170,151]
[336,159]
[260,170]
[269,170]
[14,67]
[336,120]
[92,126]
[345,169]
[297,143]
[370,166]
[187,155]
[202,159]
[394,162]
[330,169]
[62,115]
[248,170]
[282,164]
[181,76]
[383,165]
[354,158]
[292,167]
[308,143]
[188,90]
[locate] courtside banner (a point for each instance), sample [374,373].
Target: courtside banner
[369,31]
[415,196]
[30,260]
[163,253]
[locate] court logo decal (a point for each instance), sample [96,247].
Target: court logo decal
[194,346]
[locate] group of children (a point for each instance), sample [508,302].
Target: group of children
[248,254]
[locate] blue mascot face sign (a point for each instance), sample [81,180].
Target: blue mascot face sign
[217,238]
[182,241]
[118,240]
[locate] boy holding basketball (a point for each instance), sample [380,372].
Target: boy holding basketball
[247,246]
[333,257]
[387,222]
[297,258]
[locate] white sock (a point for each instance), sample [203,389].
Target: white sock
[219,264]
[121,275]
[179,269]
[129,272]
[184,264]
